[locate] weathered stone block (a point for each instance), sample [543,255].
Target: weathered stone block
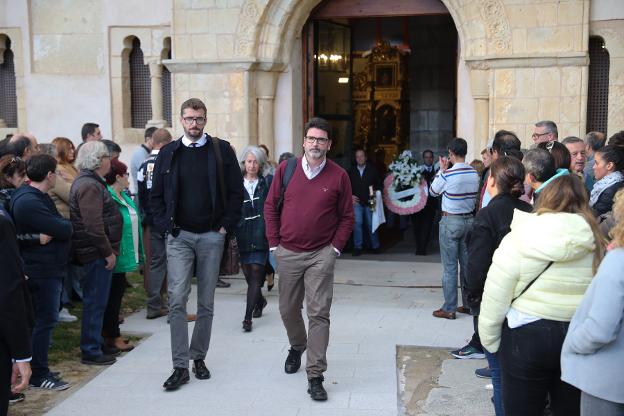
[68,54]
[203,4]
[571,81]
[570,110]
[504,83]
[550,39]
[525,82]
[548,109]
[66,16]
[182,46]
[225,46]
[197,21]
[222,21]
[519,40]
[524,15]
[547,82]
[570,13]
[516,110]
[179,21]
[547,14]
[204,46]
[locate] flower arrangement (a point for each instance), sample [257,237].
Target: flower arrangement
[405,191]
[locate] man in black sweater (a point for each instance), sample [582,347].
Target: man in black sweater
[45,265]
[196,198]
[363,177]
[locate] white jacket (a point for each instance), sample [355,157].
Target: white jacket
[533,242]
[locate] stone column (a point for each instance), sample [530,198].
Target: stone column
[156,96]
[481,94]
[3,124]
[266,82]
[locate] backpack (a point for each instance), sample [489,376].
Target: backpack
[291,164]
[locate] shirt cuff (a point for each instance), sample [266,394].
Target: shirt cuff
[272,249]
[336,250]
[24,360]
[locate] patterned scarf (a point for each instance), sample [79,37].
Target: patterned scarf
[604,183]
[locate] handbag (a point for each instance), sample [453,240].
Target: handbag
[230,260]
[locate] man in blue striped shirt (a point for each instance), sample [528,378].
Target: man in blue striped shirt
[459,188]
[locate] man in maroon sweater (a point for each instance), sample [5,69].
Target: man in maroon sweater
[306,234]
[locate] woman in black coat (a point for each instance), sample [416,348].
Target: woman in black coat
[505,185]
[250,233]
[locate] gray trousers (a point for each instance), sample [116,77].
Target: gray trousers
[182,252]
[309,274]
[594,406]
[157,274]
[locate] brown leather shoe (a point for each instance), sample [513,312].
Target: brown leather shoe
[119,343]
[463,309]
[443,314]
[191,317]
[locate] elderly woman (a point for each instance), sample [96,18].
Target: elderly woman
[250,233]
[97,226]
[130,253]
[538,277]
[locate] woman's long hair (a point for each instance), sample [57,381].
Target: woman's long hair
[9,165]
[567,194]
[63,146]
[617,232]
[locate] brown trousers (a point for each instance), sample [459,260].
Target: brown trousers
[309,274]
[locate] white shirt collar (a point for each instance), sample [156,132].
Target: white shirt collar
[309,171]
[155,151]
[187,142]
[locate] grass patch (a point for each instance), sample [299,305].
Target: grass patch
[66,335]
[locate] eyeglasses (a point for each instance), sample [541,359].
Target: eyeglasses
[198,120]
[538,135]
[319,140]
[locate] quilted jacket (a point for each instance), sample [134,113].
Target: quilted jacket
[534,241]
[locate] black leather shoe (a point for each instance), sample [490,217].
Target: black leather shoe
[200,370]
[316,390]
[223,283]
[257,312]
[293,361]
[247,325]
[180,376]
[356,252]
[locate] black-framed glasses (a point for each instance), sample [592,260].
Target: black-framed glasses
[319,140]
[538,135]
[197,120]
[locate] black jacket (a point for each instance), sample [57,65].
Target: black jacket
[164,194]
[16,317]
[251,231]
[34,212]
[605,200]
[432,201]
[96,219]
[144,185]
[360,184]
[490,225]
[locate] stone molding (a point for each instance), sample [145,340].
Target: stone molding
[531,61]
[202,66]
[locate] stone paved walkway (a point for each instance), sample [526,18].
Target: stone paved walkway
[377,306]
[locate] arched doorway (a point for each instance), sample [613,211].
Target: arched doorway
[385,77]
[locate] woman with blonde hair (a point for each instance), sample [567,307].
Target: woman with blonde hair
[538,277]
[592,356]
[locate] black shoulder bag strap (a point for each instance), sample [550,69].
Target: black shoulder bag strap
[532,281]
[291,164]
[217,151]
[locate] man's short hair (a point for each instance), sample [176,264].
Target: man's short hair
[551,127]
[427,151]
[88,129]
[318,123]
[194,104]
[617,139]
[111,146]
[539,163]
[458,146]
[595,140]
[572,140]
[18,145]
[38,167]
[161,136]
[504,141]
[149,132]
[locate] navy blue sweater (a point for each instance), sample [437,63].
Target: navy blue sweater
[34,212]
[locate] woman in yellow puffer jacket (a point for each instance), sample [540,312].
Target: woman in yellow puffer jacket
[538,277]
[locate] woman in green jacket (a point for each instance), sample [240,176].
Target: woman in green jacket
[130,254]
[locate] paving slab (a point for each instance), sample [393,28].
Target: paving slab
[377,306]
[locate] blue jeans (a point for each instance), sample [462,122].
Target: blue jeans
[72,282]
[96,285]
[494,365]
[45,295]
[364,218]
[453,249]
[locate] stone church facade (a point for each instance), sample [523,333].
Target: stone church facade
[519,61]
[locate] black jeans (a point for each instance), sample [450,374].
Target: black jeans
[530,363]
[110,327]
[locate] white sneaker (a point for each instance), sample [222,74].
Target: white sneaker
[65,316]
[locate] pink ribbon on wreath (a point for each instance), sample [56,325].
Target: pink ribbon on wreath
[397,206]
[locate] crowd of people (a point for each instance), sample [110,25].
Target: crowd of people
[525,232]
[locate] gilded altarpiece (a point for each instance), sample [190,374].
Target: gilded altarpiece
[380,97]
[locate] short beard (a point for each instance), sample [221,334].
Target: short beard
[191,136]
[314,156]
